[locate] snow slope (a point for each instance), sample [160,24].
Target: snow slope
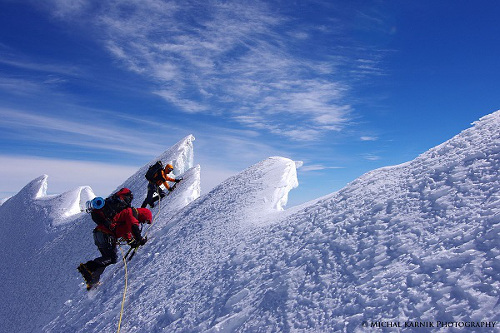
[418,242]
[44,238]
[413,243]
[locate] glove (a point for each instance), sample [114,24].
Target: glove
[170,189]
[178,179]
[136,243]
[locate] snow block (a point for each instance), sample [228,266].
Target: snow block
[264,185]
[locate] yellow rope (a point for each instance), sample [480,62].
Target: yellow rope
[126,272]
[124,291]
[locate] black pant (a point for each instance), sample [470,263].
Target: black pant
[107,246]
[152,189]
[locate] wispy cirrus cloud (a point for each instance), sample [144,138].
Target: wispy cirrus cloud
[24,75]
[317,167]
[127,138]
[368,138]
[14,61]
[230,59]
[102,177]
[371,157]
[103,136]
[20,86]
[31,86]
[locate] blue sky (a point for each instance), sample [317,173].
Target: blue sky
[92,90]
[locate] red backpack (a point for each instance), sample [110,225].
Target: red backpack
[113,204]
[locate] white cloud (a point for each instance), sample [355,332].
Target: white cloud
[368,138]
[293,133]
[299,34]
[316,167]
[371,157]
[229,54]
[299,134]
[17,86]
[17,61]
[84,133]
[64,175]
[220,152]
[33,77]
[186,105]
[63,8]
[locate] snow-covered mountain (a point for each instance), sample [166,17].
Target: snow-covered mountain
[44,238]
[413,244]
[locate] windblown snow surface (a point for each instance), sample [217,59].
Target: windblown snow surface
[417,243]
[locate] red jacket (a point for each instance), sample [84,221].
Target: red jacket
[126,223]
[123,223]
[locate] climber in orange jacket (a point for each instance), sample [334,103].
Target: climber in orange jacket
[160,178]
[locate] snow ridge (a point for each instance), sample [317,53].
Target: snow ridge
[188,253]
[180,155]
[417,242]
[45,237]
[414,242]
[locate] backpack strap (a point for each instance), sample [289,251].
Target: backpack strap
[135,212]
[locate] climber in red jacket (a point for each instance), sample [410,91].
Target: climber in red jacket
[125,225]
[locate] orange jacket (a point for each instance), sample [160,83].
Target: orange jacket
[164,175]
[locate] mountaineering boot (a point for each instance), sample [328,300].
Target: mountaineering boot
[86,273]
[93,285]
[88,276]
